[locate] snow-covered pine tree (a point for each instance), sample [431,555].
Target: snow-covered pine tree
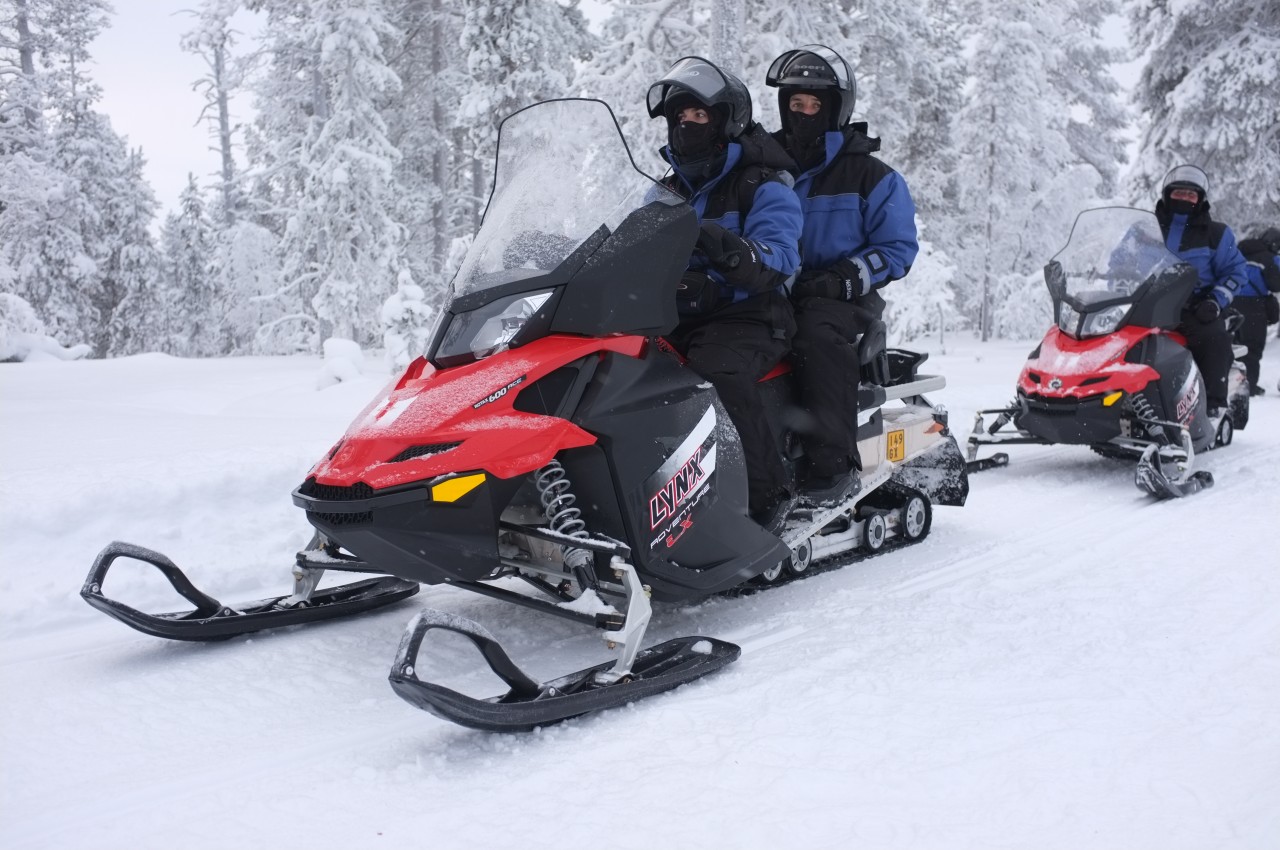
[1037,141]
[133,264]
[517,52]
[212,39]
[341,236]
[1208,96]
[186,296]
[82,248]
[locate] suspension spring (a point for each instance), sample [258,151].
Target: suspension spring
[1145,412]
[557,499]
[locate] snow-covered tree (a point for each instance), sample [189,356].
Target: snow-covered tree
[406,323]
[1208,96]
[187,294]
[212,39]
[1038,139]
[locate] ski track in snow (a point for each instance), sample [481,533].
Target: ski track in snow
[1062,663]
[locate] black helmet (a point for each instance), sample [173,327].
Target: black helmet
[814,67]
[699,78]
[1186,177]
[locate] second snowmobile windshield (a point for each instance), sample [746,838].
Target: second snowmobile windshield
[562,171]
[1111,254]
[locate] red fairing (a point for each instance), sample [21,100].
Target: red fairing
[471,405]
[1066,363]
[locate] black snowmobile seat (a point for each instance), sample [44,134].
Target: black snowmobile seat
[872,356]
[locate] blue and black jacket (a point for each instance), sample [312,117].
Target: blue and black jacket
[751,197]
[1263,269]
[1210,247]
[856,208]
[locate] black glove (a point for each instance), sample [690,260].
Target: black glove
[697,294]
[722,248]
[739,260]
[1207,311]
[842,281]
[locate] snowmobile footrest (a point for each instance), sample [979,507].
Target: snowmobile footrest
[530,704]
[213,620]
[984,463]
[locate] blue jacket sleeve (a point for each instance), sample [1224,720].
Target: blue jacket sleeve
[1230,269]
[890,221]
[773,226]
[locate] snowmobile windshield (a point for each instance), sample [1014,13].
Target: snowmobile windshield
[1111,255]
[563,171]
[1114,257]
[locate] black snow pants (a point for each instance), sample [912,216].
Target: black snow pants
[826,359]
[1253,333]
[1210,346]
[733,348]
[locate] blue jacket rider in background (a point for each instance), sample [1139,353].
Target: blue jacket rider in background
[1210,246]
[736,322]
[859,235]
[1256,300]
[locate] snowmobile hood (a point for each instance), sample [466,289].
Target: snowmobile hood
[1067,368]
[438,422]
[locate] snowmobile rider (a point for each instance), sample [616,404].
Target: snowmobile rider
[1209,246]
[735,320]
[1256,300]
[859,235]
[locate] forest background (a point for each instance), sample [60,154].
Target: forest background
[347,197]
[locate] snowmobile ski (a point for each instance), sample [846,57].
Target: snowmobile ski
[1151,477]
[529,704]
[982,464]
[212,620]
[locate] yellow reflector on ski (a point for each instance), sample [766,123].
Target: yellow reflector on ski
[1111,398]
[455,488]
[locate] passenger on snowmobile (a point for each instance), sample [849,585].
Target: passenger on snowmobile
[859,235]
[736,323]
[1210,246]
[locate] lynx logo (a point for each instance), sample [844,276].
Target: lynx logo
[1188,397]
[676,487]
[494,396]
[673,494]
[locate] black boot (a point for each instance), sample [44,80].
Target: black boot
[773,516]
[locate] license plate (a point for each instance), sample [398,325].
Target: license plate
[897,445]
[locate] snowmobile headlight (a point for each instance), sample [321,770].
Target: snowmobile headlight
[498,331]
[491,328]
[1104,321]
[1068,319]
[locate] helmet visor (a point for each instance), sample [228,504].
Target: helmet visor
[1188,174]
[806,73]
[696,76]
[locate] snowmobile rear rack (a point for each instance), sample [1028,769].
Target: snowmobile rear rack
[213,620]
[529,704]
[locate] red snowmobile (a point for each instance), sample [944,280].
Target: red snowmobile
[1113,374]
[553,452]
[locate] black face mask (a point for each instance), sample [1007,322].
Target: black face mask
[691,141]
[807,129]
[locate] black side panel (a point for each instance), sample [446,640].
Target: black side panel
[629,284]
[1179,395]
[678,477]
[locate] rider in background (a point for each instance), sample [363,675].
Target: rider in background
[736,322]
[859,235]
[1256,301]
[1210,246]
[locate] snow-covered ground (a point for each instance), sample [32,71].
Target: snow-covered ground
[1063,663]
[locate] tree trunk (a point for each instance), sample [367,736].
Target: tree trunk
[26,58]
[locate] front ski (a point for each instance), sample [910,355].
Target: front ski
[982,464]
[1151,477]
[213,620]
[530,704]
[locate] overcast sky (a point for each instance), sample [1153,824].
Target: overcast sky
[146,83]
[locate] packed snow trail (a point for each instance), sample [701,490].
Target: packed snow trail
[1062,663]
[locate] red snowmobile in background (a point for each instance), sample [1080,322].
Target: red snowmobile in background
[1113,374]
[551,442]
